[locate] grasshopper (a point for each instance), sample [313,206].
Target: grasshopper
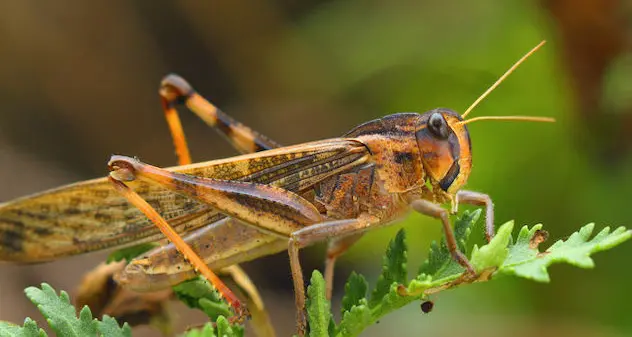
[267,200]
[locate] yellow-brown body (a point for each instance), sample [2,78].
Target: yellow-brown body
[373,171]
[237,209]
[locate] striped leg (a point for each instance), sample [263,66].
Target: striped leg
[174,90]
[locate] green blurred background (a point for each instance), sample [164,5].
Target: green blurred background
[79,82]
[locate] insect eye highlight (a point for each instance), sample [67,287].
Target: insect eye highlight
[438,126]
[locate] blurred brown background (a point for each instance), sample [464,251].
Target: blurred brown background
[78,82]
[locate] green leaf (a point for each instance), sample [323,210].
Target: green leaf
[318,307]
[355,319]
[355,290]
[393,268]
[463,227]
[526,261]
[30,329]
[332,330]
[198,293]
[494,253]
[130,253]
[109,327]
[60,314]
[62,318]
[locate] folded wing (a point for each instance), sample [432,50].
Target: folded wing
[90,215]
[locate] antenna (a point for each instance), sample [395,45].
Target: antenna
[502,78]
[510,118]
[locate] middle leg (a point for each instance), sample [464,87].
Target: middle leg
[431,209]
[335,248]
[478,199]
[313,234]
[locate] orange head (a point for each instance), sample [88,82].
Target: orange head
[445,147]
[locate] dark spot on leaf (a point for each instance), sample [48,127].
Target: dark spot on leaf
[426,306]
[538,237]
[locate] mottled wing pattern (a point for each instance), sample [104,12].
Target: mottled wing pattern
[90,215]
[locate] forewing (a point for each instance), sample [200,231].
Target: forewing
[90,215]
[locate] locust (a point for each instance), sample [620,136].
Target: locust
[272,198]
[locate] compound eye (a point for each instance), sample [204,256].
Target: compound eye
[438,126]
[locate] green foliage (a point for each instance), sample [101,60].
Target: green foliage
[355,290]
[529,263]
[393,269]
[29,329]
[198,293]
[318,307]
[501,256]
[62,318]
